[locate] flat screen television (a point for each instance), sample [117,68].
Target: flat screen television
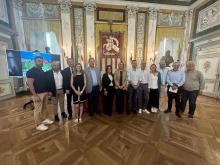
[19,62]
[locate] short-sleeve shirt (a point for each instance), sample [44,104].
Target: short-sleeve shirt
[40,79]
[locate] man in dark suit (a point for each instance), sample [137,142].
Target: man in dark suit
[56,88]
[67,72]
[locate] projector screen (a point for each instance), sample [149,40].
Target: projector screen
[19,62]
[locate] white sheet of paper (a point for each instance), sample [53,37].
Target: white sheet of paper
[173,91]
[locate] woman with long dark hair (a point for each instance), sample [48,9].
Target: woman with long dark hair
[78,84]
[108,85]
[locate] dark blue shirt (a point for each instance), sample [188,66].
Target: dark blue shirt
[40,79]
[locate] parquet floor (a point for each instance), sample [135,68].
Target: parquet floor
[155,139]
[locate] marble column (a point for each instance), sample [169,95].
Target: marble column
[132,13]
[17,8]
[151,35]
[65,6]
[78,29]
[90,28]
[141,17]
[187,36]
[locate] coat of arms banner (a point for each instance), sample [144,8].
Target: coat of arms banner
[111,47]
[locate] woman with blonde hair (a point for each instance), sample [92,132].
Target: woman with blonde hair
[78,84]
[154,86]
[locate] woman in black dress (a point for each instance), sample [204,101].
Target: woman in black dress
[78,84]
[108,85]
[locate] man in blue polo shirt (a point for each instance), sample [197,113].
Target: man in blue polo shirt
[37,83]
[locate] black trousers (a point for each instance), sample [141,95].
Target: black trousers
[132,99]
[154,98]
[175,96]
[120,94]
[93,101]
[108,101]
[69,103]
[191,96]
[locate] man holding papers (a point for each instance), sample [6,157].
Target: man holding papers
[175,81]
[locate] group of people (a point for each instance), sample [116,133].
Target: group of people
[145,89]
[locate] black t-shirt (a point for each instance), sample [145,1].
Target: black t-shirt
[40,79]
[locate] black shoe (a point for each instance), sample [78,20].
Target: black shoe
[178,115]
[167,111]
[70,117]
[190,116]
[57,118]
[63,114]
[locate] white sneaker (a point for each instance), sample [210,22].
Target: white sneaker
[76,121]
[41,127]
[146,111]
[140,111]
[153,110]
[80,120]
[47,122]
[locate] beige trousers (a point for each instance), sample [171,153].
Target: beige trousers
[58,99]
[163,96]
[40,108]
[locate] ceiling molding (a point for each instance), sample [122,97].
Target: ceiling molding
[138,4]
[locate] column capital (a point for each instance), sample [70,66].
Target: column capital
[153,13]
[18,4]
[65,5]
[188,13]
[90,6]
[132,10]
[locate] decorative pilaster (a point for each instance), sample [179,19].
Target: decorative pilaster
[17,7]
[65,6]
[140,37]
[90,28]
[187,36]
[152,34]
[132,13]
[79,38]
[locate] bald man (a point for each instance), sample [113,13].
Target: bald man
[194,83]
[56,89]
[175,81]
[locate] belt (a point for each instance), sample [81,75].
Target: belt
[144,84]
[60,89]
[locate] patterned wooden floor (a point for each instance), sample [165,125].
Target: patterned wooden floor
[155,139]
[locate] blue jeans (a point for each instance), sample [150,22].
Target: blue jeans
[143,90]
[132,99]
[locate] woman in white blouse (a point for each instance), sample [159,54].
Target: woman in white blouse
[108,85]
[154,86]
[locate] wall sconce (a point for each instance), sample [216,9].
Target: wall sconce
[131,52]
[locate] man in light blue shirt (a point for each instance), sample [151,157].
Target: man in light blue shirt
[175,81]
[163,72]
